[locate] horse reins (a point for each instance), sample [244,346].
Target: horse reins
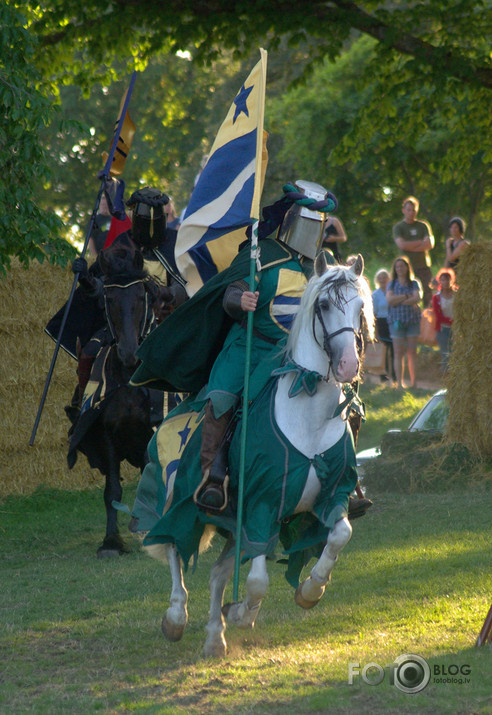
[147,316]
[328,336]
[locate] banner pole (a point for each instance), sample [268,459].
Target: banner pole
[244,417]
[104,175]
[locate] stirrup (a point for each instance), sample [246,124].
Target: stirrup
[211,494]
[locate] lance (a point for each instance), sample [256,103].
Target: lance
[262,157]
[486,632]
[103,175]
[254,255]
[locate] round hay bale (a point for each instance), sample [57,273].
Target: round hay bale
[29,298]
[469,376]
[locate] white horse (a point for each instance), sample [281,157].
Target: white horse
[322,355]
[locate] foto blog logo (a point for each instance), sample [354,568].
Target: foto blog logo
[409,673]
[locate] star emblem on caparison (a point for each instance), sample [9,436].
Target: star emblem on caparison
[240,102]
[184,434]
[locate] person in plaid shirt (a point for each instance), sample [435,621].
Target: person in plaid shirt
[403,295]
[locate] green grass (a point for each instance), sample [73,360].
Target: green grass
[386,409]
[82,635]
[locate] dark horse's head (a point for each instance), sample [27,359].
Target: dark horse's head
[128,297]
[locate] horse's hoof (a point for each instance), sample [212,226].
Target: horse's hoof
[172,631]
[237,614]
[303,602]
[111,547]
[358,507]
[226,608]
[216,648]
[108,553]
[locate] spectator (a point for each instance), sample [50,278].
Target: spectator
[403,295]
[381,280]
[414,238]
[172,219]
[333,235]
[442,305]
[456,243]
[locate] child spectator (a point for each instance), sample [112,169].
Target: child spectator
[442,305]
[380,304]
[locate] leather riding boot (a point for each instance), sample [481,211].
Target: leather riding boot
[354,420]
[357,506]
[211,494]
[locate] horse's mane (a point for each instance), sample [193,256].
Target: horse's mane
[332,282]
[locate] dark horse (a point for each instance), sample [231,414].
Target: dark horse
[115,421]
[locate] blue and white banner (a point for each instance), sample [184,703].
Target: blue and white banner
[226,198]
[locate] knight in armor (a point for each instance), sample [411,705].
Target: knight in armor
[86,331]
[279,287]
[204,341]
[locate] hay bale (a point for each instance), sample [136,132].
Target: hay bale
[423,462]
[28,299]
[469,376]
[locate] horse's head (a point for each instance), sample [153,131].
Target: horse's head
[128,299]
[334,307]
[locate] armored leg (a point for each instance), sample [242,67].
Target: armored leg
[211,494]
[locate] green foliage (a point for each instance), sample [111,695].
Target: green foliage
[378,136]
[446,37]
[405,111]
[177,108]
[27,231]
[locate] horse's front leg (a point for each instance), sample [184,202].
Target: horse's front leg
[243,614]
[176,617]
[113,544]
[309,592]
[215,644]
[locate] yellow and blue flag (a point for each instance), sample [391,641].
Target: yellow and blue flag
[226,197]
[126,134]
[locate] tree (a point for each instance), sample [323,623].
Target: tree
[26,230]
[177,107]
[377,139]
[445,37]
[423,55]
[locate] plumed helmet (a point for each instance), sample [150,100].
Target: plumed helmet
[302,227]
[148,218]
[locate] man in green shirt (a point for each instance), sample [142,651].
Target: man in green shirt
[414,238]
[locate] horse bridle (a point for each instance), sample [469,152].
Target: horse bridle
[147,316]
[328,336]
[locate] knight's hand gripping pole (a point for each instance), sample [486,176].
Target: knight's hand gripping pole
[104,175]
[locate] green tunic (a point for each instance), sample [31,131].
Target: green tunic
[179,354]
[280,289]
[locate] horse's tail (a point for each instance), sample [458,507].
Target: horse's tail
[206,538]
[159,552]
